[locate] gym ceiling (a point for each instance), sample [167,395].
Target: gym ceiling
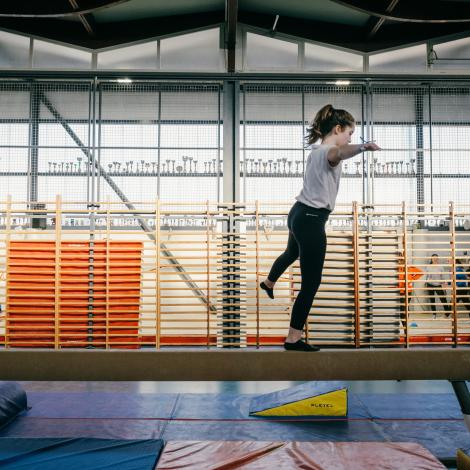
[363,25]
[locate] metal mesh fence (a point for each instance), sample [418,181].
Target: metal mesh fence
[160,140]
[274,119]
[110,140]
[447,168]
[60,139]
[421,128]
[398,115]
[87,140]
[14,138]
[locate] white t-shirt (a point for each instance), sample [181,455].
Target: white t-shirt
[321,180]
[435,274]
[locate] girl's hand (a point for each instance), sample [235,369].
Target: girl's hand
[371,147]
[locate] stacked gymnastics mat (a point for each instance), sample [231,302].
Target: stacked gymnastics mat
[94,302]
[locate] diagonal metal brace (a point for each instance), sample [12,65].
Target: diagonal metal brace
[143,224]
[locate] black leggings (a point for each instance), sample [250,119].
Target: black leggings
[440,292]
[307,240]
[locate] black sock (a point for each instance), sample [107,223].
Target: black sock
[300,346]
[268,290]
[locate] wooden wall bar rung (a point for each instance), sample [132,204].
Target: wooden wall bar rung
[359,288]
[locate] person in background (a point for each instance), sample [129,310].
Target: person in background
[435,284]
[461,279]
[413,274]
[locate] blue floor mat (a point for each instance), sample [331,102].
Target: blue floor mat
[442,438]
[78,454]
[433,420]
[258,430]
[153,405]
[411,405]
[227,405]
[101,404]
[96,428]
[236,406]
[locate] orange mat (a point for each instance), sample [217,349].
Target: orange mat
[109,307]
[253,455]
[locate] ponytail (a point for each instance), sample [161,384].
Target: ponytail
[325,120]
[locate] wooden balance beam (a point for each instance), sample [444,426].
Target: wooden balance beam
[239,365]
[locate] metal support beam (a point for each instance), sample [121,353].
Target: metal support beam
[346,364]
[454,12]
[231,191]
[419,118]
[231,129]
[374,24]
[463,395]
[53,9]
[87,19]
[231,18]
[33,144]
[431,189]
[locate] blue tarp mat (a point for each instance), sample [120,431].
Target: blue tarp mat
[78,454]
[95,428]
[200,430]
[258,430]
[101,404]
[411,405]
[442,438]
[227,405]
[153,405]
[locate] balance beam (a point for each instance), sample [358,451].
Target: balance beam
[239,365]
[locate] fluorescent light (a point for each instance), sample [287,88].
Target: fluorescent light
[342,82]
[124,80]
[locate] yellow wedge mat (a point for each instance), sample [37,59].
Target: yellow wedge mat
[328,404]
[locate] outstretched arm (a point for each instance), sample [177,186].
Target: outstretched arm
[338,153]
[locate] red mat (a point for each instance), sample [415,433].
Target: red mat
[252,455]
